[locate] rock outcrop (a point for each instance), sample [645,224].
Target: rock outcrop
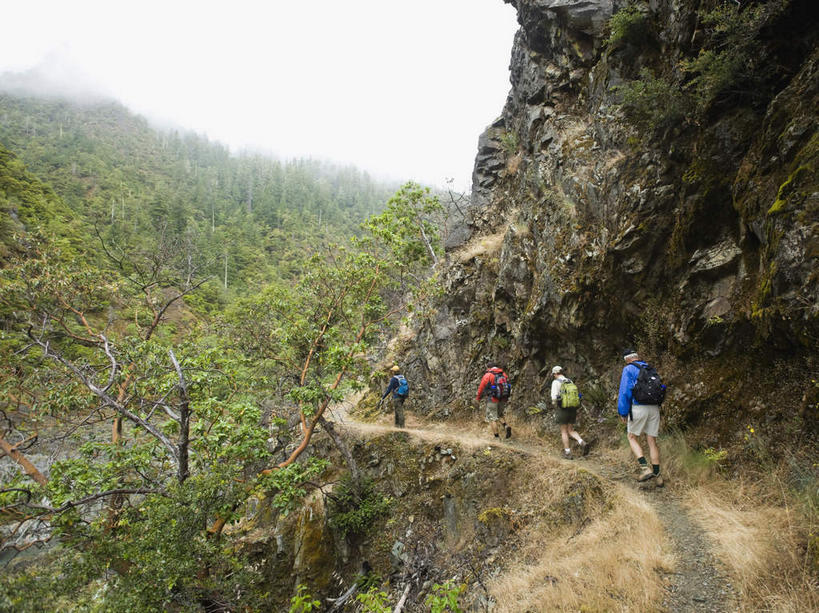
[696,240]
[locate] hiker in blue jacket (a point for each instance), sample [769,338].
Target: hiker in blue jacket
[400,391]
[640,419]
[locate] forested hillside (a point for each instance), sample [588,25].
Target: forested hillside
[196,346]
[250,213]
[174,323]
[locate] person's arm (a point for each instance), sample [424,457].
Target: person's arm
[392,386]
[624,398]
[484,382]
[555,391]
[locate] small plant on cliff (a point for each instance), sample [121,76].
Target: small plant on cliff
[373,601]
[732,62]
[510,142]
[303,601]
[653,104]
[445,597]
[354,514]
[629,25]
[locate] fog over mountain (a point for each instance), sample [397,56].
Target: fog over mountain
[400,91]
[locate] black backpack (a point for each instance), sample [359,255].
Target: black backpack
[649,388]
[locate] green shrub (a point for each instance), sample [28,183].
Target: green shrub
[653,104]
[373,601]
[303,601]
[445,597]
[355,514]
[731,62]
[510,142]
[629,26]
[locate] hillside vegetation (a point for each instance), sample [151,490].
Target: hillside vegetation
[196,345]
[252,215]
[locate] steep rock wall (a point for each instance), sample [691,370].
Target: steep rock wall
[697,243]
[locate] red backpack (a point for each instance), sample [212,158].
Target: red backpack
[501,388]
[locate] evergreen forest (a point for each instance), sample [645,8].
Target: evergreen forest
[176,320]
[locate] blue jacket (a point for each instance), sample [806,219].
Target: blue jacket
[627,380]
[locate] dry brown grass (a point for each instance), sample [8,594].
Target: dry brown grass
[488,245]
[610,564]
[761,543]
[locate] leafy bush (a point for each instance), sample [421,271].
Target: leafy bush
[653,104]
[731,62]
[445,597]
[303,601]
[286,486]
[629,25]
[354,514]
[373,601]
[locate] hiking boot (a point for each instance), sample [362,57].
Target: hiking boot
[508,431]
[645,474]
[584,448]
[567,455]
[658,481]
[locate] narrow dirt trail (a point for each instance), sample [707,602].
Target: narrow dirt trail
[699,582]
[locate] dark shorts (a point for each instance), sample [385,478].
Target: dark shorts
[565,416]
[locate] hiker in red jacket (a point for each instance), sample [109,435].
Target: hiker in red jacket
[495,387]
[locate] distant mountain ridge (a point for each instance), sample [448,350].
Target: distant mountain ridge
[113,169]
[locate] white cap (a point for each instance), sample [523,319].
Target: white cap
[557,369]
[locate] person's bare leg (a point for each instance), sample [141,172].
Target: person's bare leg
[635,446]
[564,434]
[574,434]
[653,450]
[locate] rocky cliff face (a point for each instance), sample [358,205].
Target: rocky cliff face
[695,238]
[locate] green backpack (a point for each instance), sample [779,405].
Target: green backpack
[569,395]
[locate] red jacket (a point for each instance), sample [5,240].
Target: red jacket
[486,382]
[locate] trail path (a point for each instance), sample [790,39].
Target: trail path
[699,582]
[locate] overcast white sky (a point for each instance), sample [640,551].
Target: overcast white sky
[401,89]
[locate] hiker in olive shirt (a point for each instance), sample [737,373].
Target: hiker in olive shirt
[400,390]
[565,416]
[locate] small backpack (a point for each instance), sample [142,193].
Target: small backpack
[501,388]
[649,388]
[403,386]
[569,395]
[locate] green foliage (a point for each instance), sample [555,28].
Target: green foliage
[445,597]
[157,553]
[353,513]
[27,203]
[303,602]
[116,172]
[104,332]
[287,484]
[730,63]
[653,104]
[731,66]
[629,26]
[408,228]
[510,142]
[373,601]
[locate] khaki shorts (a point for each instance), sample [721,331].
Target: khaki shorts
[645,420]
[495,410]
